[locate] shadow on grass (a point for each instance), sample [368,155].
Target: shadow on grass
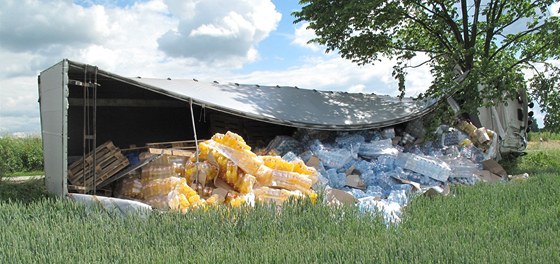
[23,192]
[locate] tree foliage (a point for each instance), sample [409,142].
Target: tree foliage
[533,126]
[490,45]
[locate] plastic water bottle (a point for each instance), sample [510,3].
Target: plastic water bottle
[374,190]
[473,153]
[363,166]
[336,180]
[350,140]
[321,183]
[398,196]
[464,180]
[369,178]
[335,158]
[290,156]
[435,169]
[402,187]
[357,193]
[347,166]
[388,133]
[386,162]
[464,168]
[376,148]
[283,144]
[391,211]
[386,181]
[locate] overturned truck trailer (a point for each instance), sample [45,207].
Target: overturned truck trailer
[83,106]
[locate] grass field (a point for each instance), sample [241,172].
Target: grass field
[503,222]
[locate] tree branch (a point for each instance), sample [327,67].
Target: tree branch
[527,58]
[414,49]
[498,14]
[419,65]
[531,6]
[474,30]
[517,37]
[449,21]
[535,68]
[435,33]
[465,12]
[490,28]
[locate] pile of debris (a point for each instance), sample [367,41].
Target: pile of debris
[377,170]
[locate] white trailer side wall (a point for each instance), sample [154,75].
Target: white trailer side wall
[53,95]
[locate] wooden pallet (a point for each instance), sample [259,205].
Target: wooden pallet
[110,160]
[172,152]
[186,144]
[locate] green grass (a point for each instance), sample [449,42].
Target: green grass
[26,173]
[501,222]
[22,192]
[545,135]
[540,158]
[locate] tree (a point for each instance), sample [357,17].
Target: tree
[494,43]
[533,126]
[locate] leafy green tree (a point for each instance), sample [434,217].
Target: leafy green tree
[533,126]
[489,45]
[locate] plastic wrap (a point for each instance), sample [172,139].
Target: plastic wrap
[155,191]
[374,149]
[204,169]
[246,160]
[131,187]
[284,179]
[284,144]
[266,194]
[435,169]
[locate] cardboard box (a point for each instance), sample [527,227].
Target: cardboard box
[355,181]
[415,185]
[434,191]
[313,162]
[494,167]
[488,176]
[336,197]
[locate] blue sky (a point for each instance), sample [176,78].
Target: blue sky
[245,41]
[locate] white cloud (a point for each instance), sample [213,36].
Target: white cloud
[337,74]
[303,35]
[555,9]
[219,32]
[121,39]
[108,36]
[19,109]
[31,25]
[358,88]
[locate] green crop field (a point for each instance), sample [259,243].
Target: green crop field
[501,222]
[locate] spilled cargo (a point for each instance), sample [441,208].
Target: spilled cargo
[380,173]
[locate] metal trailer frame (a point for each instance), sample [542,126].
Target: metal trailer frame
[53,94]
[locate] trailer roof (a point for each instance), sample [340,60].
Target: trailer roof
[285,105]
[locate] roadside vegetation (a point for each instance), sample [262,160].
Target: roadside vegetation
[21,156]
[544,135]
[513,221]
